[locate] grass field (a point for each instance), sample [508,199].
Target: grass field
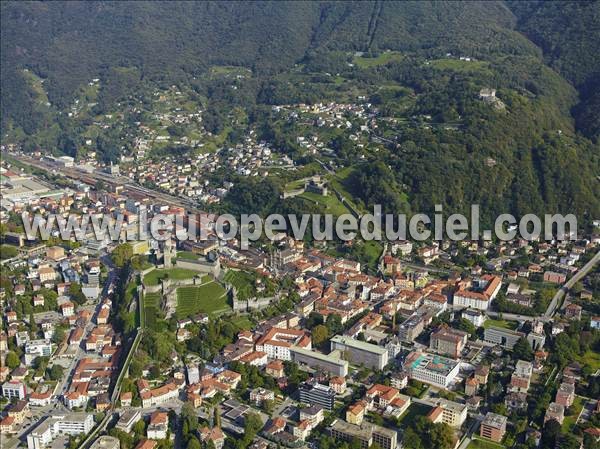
[187,255]
[570,420]
[503,324]
[365,62]
[414,410]
[242,322]
[243,283]
[460,66]
[330,203]
[482,444]
[151,309]
[175,274]
[591,359]
[208,298]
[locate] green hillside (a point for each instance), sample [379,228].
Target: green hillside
[421,64]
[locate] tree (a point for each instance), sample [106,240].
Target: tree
[58,336]
[7,252]
[320,334]
[334,324]
[551,433]
[122,254]
[522,350]
[12,360]
[441,436]
[189,419]
[569,441]
[252,425]
[466,326]
[411,439]
[217,417]
[268,405]
[56,372]
[194,443]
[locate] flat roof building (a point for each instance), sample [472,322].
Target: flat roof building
[317,394]
[366,433]
[431,368]
[493,427]
[53,425]
[331,363]
[504,337]
[359,352]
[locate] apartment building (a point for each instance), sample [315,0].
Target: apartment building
[366,434]
[53,425]
[493,427]
[448,341]
[277,342]
[448,412]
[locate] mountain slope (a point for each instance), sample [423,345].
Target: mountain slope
[305,52]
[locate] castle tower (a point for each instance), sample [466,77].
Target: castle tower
[167,254]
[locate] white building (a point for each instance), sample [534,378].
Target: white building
[474,316]
[14,389]
[37,348]
[53,425]
[482,294]
[431,368]
[276,343]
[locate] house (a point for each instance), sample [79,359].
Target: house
[481,374]
[276,343]
[67,309]
[40,399]
[516,401]
[475,317]
[471,386]
[275,368]
[146,444]
[554,277]
[521,377]
[565,394]
[38,301]
[126,399]
[448,341]
[556,412]
[573,311]
[164,393]
[314,415]
[338,384]
[448,412]
[481,293]
[18,411]
[381,395]
[158,425]
[102,402]
[356,412]
[259,395]
[14,389]
[214,435]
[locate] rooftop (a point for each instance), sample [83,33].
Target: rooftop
[357,344]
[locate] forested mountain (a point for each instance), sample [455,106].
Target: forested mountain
[569,35]
[542,57]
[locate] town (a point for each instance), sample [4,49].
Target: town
[144,344]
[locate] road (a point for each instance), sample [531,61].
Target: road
[557,299]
